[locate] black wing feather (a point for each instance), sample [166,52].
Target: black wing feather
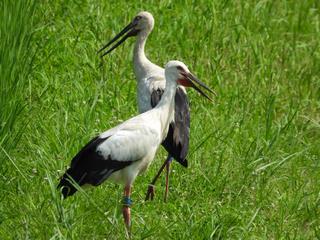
[89,167]
[177,141]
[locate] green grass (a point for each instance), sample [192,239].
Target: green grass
[16,63]
[254,153]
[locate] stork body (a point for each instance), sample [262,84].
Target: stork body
[125,151]
[120,153]
[150,87]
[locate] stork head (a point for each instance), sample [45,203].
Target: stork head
[179,72]
[141,24]
[144,22]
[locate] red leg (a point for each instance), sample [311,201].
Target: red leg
[127,202]
[167,180]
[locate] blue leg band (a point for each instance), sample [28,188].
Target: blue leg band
[127,202]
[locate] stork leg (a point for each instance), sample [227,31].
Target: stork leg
[127,202]
[167,178]
[150,191]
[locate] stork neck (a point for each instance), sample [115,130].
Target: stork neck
[167,98]
[166,106]
[140,60]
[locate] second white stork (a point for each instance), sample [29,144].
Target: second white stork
[123,152]
[151,85]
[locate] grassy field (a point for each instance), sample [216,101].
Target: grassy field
[254,154]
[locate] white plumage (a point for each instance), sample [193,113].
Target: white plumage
[141,137]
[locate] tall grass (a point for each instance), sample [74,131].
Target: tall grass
[16,56]
[254,153]
[15,66]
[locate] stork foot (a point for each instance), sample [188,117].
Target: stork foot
[150,192]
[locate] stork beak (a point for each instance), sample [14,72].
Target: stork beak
[129,29]
[191,81]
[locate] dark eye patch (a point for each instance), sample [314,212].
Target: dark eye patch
[180,68]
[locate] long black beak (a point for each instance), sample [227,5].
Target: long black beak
[193,80]
[129,27]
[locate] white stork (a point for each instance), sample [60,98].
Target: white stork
[151,85]
[123,152]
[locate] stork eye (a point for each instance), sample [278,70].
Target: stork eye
[138,18]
